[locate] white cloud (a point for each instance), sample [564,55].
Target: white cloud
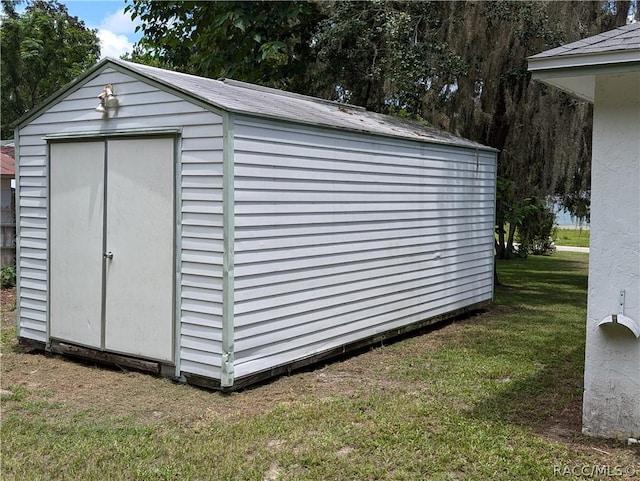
[119,23]
[117,34]
[113,45]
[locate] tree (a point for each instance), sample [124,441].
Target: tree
[460,66]
[268,43]
[41,50]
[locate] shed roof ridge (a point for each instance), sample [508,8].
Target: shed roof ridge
[287,93]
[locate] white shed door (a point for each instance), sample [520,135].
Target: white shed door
[112,235]
[76,219]
[139,276]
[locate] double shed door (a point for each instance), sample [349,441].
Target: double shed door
[112,245]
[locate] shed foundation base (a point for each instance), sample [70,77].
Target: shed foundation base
[168,371]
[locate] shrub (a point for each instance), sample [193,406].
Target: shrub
[535,231]
[7,276]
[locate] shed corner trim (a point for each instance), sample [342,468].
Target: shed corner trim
[228,214]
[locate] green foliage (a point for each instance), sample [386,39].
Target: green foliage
[268,43]
[42,49]
[536,228]
[7,276]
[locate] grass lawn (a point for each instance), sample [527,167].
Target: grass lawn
[493,397]
[571,237]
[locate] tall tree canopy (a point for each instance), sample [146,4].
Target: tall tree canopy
[40,50]
[269,43]
[461,66]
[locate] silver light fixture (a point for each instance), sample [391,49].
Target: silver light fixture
[108,99]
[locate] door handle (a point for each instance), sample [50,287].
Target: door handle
[108,255]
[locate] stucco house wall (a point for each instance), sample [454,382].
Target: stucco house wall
[605,70]
[612,360]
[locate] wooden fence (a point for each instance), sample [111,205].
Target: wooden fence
[7,236]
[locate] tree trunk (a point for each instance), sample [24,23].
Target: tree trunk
[512,234]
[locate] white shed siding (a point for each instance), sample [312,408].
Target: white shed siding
[143,106]
[341,236]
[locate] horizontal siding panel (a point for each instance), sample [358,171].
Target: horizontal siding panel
[378,199]
[201,181]
[202,282]
[207,346]
[202,169]
[212,270]
[258,220]
[309,231]
[383,275]
[285,136]
[34,304]
[201,156]
[200,220]
[291,167]
[411,184]
[261,241]
[34,284]
[203,333]
[192,367]
[191,320]
[33,202]
[36,212]
[200,257]
[33,181]
[372,291]
[27,263]
[35,333]
[201,207]
[34,294]
[34,310]
[200,232]
[386,247]
[252,267]
[202,244]
[38,274]
[196,306]
[33,171]
[341,334]
[207,195]
[210,143]
[418,260]
[339,237]
[33,325]
[92,122]
[33,254]
[201,294]
[201,357]
[361,207]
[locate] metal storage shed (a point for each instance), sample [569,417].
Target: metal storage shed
[220,232]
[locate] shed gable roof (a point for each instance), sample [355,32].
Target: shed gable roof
[255,100]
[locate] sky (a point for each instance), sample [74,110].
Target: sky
[116,30]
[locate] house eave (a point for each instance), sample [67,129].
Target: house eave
[607,59]
[575,74]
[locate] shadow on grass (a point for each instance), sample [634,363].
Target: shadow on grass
[548,400]
[549,296]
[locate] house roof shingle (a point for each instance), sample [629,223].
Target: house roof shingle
[619,39]
[7,160]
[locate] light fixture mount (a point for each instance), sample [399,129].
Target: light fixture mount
[108,99]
